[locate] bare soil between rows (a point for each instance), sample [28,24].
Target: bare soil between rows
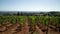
[8,28]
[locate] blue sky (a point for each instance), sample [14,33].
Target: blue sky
[29,5]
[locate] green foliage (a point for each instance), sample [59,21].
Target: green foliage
[13,19]
[22,19]
[43,19]
[54,20]
[32,18]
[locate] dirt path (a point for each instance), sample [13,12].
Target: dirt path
[38,30]
[51,31]
[25,28]
[2,28]
[10,30]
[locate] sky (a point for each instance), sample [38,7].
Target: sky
[29,5]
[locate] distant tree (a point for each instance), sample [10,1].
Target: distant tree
[18,13]
[54,13]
